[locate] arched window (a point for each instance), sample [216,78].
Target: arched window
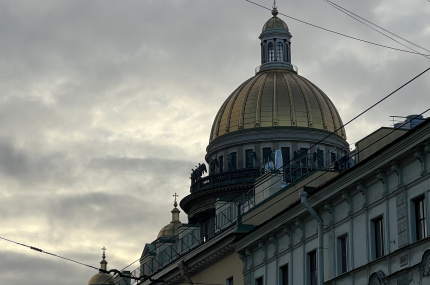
[271,52]
[280,52]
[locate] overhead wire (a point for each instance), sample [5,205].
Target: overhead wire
[348,13]
[370,22]
[48,253]
[338,33]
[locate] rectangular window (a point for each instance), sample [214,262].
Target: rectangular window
[343,254]
[332,157]
[313,268]
[221,163]
[378,227]
[284,275]
[420,219]
[320,158]
[229,281]
[285,155]
[233,165]
[267,153]
[259,281]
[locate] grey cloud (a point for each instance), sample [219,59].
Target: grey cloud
[105,106]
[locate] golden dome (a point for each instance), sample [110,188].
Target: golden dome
[171,229]
[275,23]
[276,98]
[101,278]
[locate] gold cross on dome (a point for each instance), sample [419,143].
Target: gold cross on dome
[175,204]
[104,254]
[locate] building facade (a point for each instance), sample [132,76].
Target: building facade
[285,201]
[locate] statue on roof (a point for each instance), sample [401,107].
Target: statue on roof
[251,156]
[213,163]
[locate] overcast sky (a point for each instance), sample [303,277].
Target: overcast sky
[106,105]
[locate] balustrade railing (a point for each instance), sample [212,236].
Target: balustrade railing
[226,178]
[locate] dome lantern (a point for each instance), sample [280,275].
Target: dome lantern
[275,44]
[102,277]
[172,228]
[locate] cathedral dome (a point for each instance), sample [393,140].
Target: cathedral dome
[276,98]
[101,278]
[171,229]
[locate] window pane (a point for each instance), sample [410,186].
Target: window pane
[344,254]
[271,52]
[313,268]
[280,52]
[284,277]
[420,219]
[221,163]
[379,238]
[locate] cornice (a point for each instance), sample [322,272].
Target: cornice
[265,134]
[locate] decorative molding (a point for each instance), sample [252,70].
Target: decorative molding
[288,231]
[347,198]
[418,154]
[273,240]
[401,198]
[403,239]
[376,278]
[363,190]
[426,263]
[382,178]
[404,260]
[401,212]
[299,223]
[398,170]
[402,279]
[329,207]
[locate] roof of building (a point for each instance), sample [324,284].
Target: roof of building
[277,98]
[275,22]
[171,229]
[101,278]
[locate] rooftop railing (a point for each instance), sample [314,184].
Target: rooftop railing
[245,175]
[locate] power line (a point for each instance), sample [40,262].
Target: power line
[405,84]
[348,13]
[378,26]
[49,253]
[331,31]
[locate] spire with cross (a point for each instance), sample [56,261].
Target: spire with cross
[175,204]
[104,253]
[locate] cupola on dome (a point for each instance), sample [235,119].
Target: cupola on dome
[275,22]
[171,229]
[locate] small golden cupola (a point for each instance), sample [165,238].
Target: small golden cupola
[172,229]
[102,277]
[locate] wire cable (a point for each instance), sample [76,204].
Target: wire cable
[385,30]
[331,31]
[49,253]
[349,14]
